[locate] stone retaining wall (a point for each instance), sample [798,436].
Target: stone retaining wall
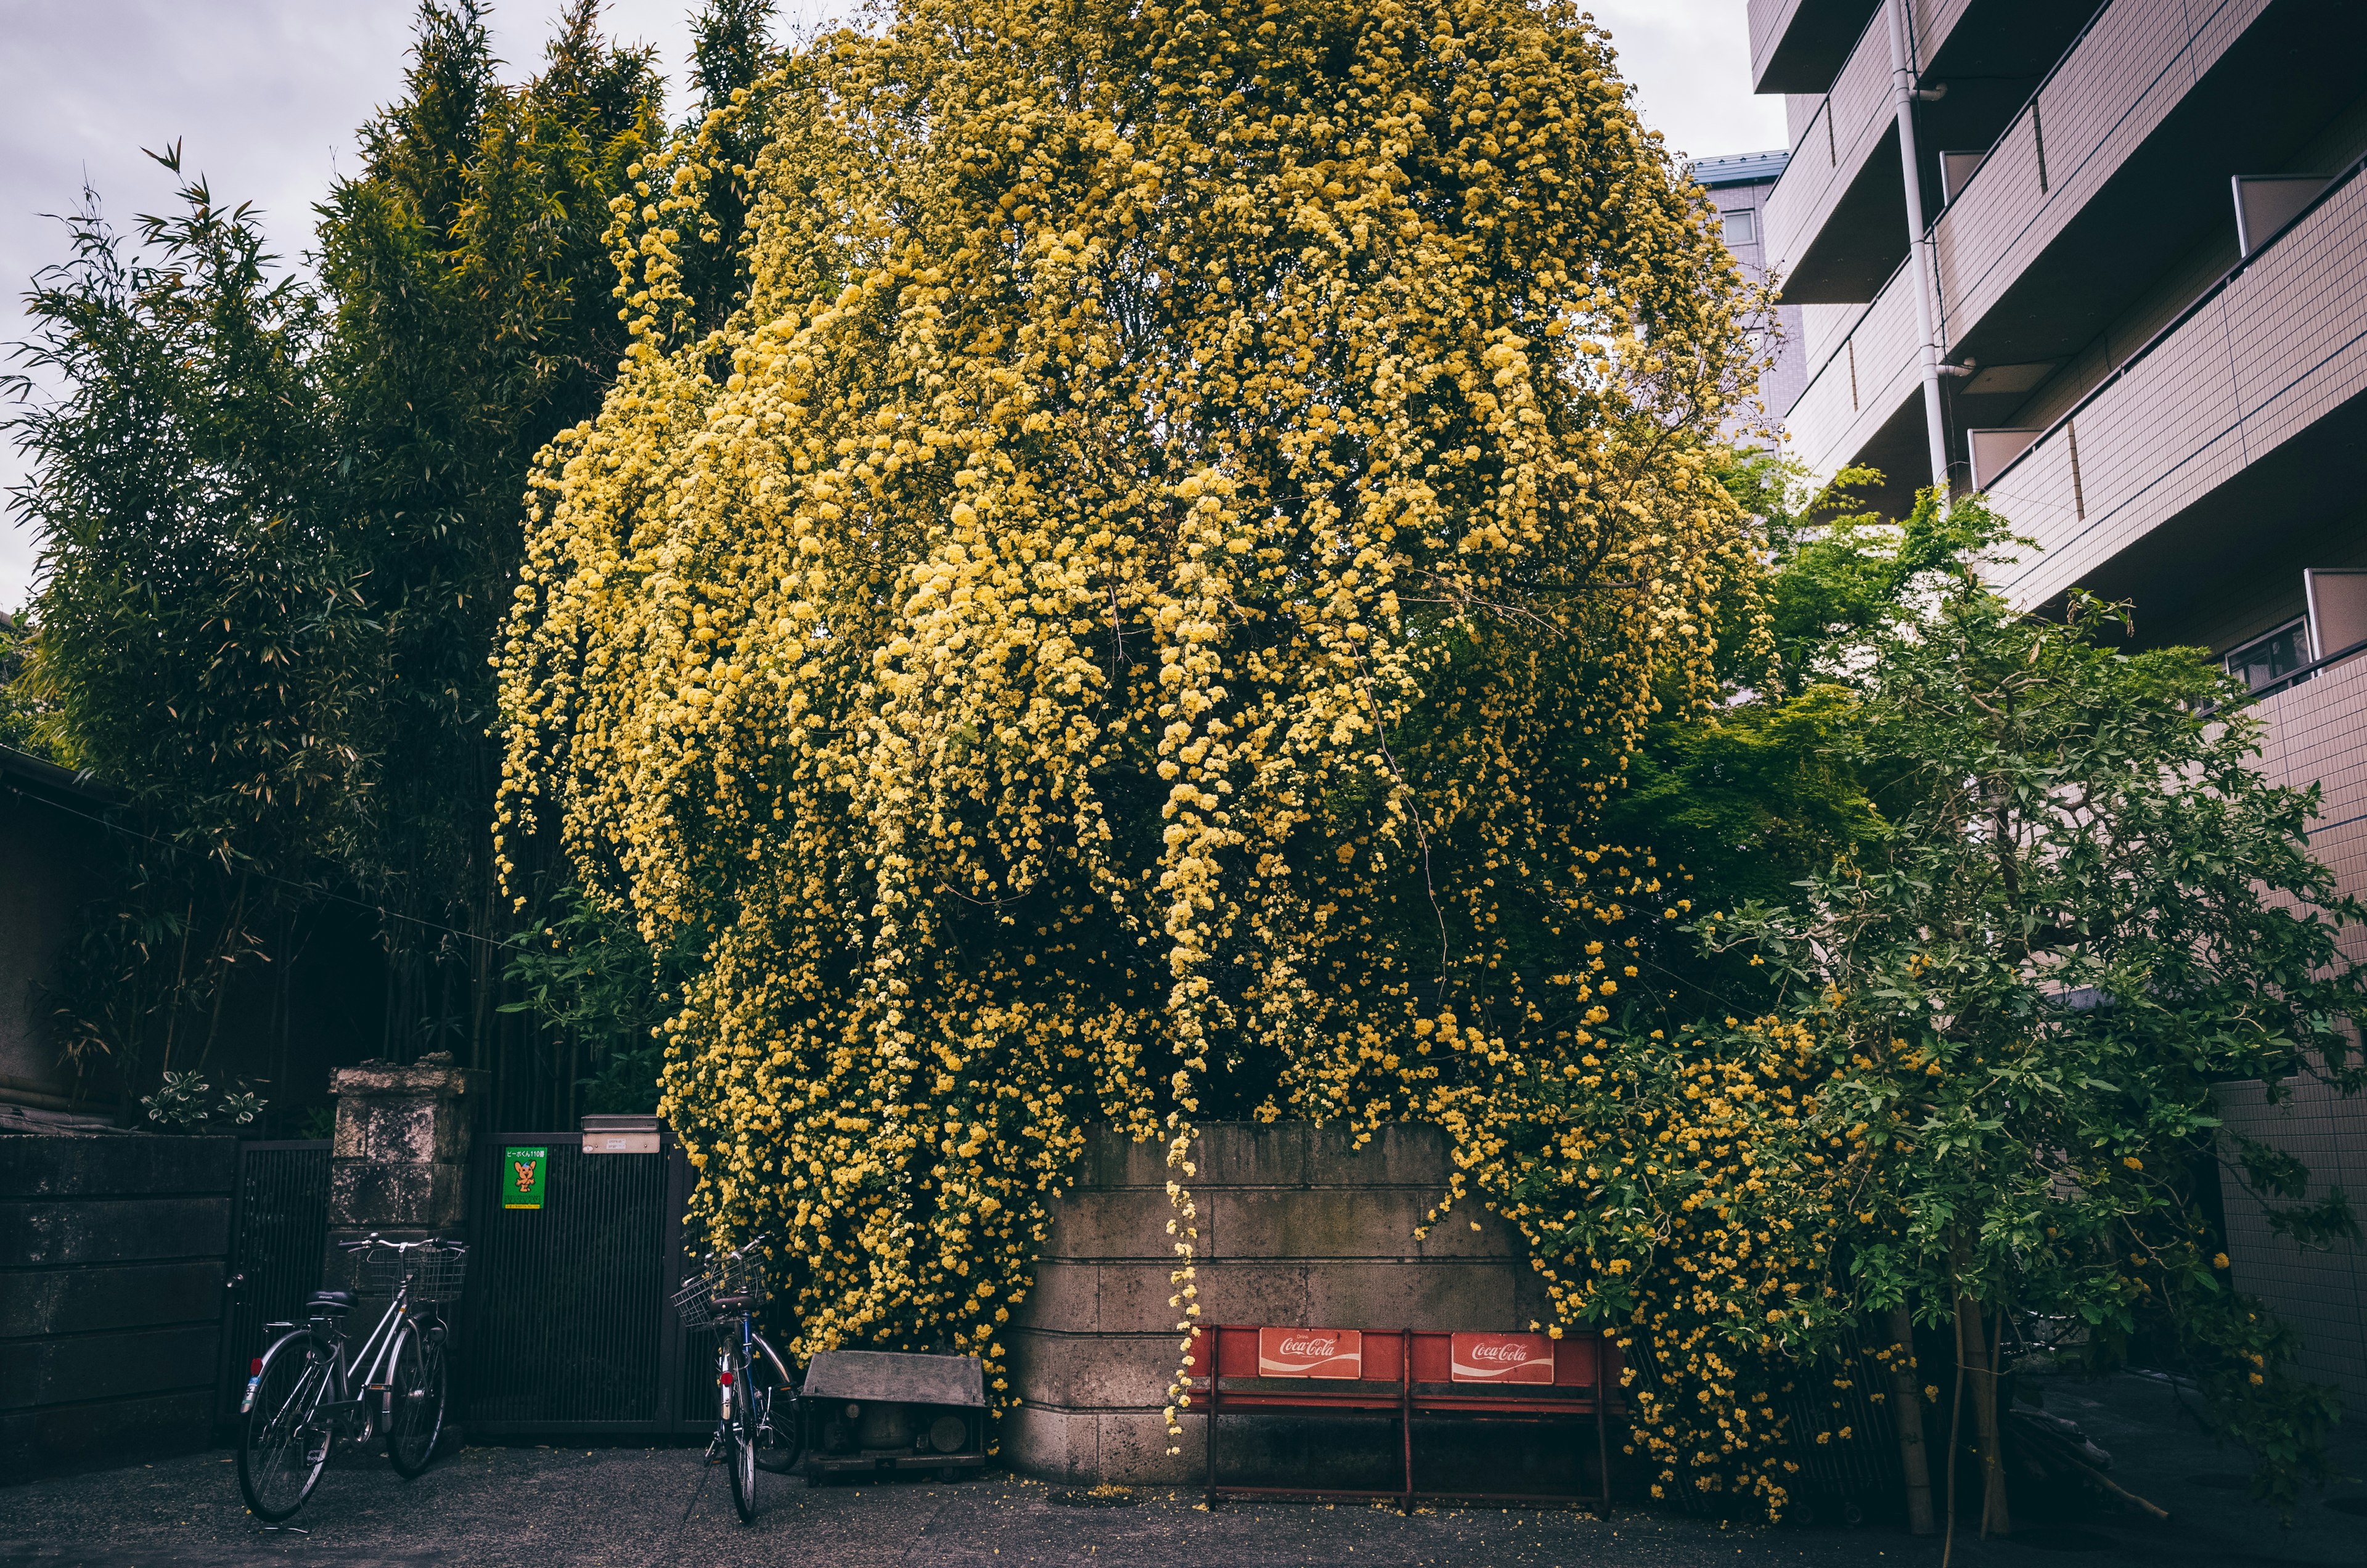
[111,1259]
[1296,1226]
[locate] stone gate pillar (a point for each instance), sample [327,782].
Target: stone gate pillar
[399,1164]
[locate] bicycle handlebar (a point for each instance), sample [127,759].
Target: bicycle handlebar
[366,1244]
[743,1250]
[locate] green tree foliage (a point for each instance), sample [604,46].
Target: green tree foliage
[585,974]
[2078,907]
[20,711]
[204,643]
[732,51]
[281,523]
[2077,913]
[1988,905]
[469,282]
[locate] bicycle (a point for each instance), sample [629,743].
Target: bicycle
[299,1393]
[760,1424]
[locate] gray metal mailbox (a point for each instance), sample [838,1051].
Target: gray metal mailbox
[605,1134]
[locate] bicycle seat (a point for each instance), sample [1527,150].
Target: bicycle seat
[332,1301]
[732,1303]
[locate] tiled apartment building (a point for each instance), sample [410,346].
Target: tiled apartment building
[1740,184]
[2117,280]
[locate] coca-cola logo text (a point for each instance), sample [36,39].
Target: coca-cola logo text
[1502,1358]
[1516,1354]
[1311,1353]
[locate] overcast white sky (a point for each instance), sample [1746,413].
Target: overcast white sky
[265,95]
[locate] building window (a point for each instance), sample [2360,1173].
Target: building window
[2266,660]
[1741,226]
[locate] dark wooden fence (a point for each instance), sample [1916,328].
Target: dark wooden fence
[137,1274]
[112,1255]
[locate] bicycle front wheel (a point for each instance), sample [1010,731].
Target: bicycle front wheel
[286,1436]
[740,1431]
[416,1392]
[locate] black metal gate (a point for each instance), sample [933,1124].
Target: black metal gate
[566,1326]
[280,1239]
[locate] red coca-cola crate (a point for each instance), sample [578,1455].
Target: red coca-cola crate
[1274,1369]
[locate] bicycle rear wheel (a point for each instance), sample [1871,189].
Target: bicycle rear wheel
[780,1419]
[416,1382]
[286,1440]
[740,1434]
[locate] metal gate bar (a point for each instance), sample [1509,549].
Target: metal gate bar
[566,1328]
[280,1239]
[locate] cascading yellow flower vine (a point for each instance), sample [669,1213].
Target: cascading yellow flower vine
[1133,617]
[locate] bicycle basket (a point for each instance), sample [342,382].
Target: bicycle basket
[730,1277]
[435,1272]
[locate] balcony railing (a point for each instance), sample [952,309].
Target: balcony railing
[2275,344]
[1832,150]
[1860,384]
[2130,66]
[1795,45]
[2133,63]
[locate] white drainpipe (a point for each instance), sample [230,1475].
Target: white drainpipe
[1918,238]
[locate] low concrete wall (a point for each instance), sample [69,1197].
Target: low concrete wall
[1296,1226]
[111,1256]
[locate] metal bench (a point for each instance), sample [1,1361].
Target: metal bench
[1276,1370]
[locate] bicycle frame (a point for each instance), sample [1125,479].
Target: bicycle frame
[376,1352]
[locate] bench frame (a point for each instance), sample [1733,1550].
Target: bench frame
[1583,1385]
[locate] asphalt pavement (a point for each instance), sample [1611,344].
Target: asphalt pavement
[540,1507]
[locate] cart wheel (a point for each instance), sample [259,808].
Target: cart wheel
[1852,1516]
[951,1475]
[813,1478]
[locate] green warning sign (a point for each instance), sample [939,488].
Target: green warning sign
[522,1174]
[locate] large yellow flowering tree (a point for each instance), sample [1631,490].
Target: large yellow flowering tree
[1134,614]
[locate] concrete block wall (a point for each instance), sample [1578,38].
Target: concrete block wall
[111,1259]
[1298,1226]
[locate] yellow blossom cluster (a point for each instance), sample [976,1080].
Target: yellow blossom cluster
[1133,615]
[1690,1195]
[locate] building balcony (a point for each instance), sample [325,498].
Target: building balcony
[1840,206]
[1837,222]
[1798,46]
[2117,168]
[2100,213]
[1864,398]
[2230,437]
